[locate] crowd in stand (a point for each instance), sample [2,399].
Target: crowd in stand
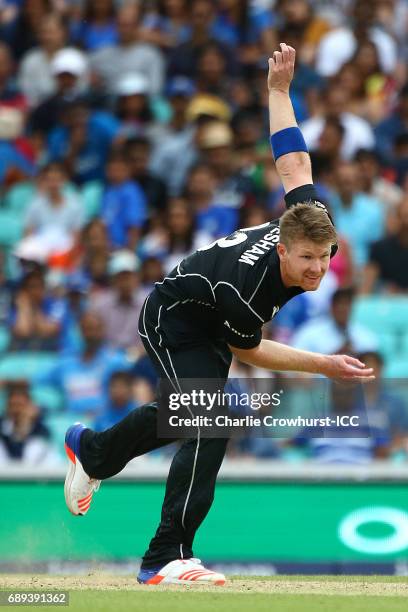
[134,132]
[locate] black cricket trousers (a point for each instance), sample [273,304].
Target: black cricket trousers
[191,480]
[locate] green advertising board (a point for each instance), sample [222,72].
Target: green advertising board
[249,522]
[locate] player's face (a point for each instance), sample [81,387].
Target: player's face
[304,264]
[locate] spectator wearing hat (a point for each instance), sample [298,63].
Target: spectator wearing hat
[123,208]
[133,107]
[179,93]
[175,151]
[233,188]
[129,55]
[180,90]
[35,74]
[76,287]
[119,306]
[24,438]
[173,160]
[69,68]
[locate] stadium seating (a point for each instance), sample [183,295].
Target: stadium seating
[58,425]
[27,365]
[18,197]
[91,198]
[11,228]
[387,317]
[48,398]
[397,368]
[382,313]
[4,339]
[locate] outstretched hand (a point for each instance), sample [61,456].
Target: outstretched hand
[281,68]
[347,368]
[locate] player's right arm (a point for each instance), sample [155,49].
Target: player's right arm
[288,145]
[274,356]
[294,167]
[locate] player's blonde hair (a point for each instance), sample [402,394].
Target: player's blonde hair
[306,222]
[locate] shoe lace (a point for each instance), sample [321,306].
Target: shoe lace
[95,484]
[195,560]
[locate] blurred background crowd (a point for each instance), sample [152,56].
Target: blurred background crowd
[133,133]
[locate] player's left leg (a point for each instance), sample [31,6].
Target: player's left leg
[192,476]
[94,456]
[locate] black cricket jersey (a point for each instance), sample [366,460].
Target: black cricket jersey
[229,289]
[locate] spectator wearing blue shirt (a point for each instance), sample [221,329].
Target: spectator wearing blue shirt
[386,409]
[244,25]
[210,217]
[83,140]
[184,57]
[124,208]
[336,332]
[97,27]
[83,377]
[386,131]
[120,401]
[166,25]
[12,159]
[345,443]
[359,217]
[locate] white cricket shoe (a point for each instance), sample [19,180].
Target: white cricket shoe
[186,571]
[79,487]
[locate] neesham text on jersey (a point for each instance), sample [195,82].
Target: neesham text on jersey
[270,239]
[261,247]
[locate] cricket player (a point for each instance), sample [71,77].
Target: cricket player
[213,306]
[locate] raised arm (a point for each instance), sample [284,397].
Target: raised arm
[294,167]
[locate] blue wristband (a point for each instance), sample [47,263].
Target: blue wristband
[288,140]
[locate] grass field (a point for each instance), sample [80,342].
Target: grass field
[102,592]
